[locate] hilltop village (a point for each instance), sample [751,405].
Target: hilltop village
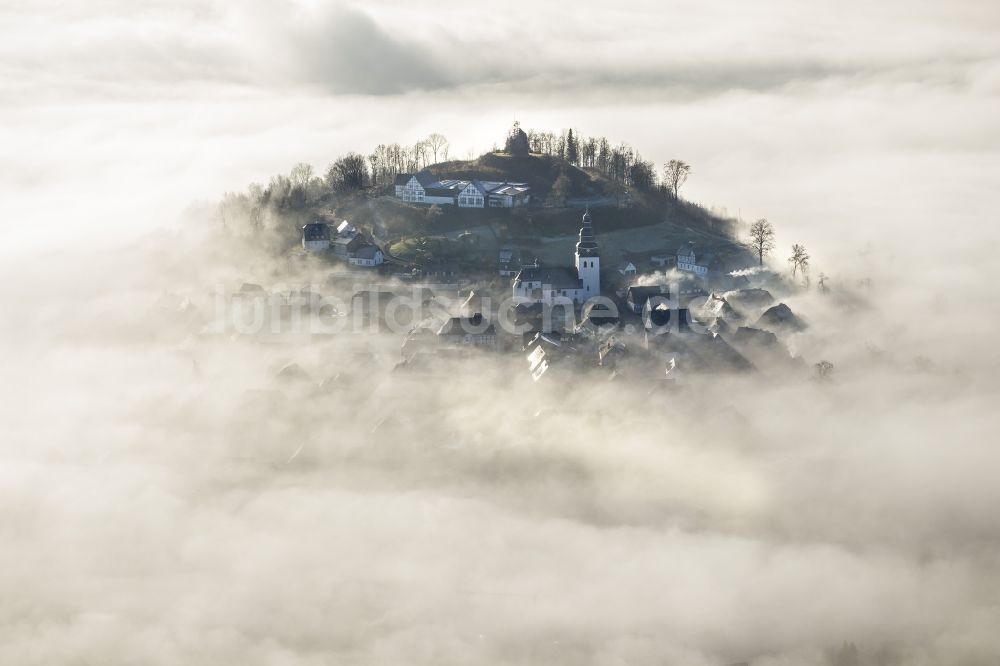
[664,317]
[553,264]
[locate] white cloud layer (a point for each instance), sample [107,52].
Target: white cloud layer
[164,500]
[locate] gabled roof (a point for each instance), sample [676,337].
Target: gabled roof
[509,189]
[702,257]
[348,241]
[641,294]
[501,187]
[474,325]
[366,251]
[561,277]
[435,191]
[425,178]
[715,306]
[315,231]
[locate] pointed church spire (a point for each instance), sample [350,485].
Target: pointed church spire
[587,245]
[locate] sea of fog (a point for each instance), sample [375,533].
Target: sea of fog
[167,498]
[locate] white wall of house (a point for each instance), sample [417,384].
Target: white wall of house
[687,262]
[441,201]
[316,245]
[544,293]
[470,197]
[376,261]
[413,191]
[690,267]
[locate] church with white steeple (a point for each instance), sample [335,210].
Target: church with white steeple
[578,283]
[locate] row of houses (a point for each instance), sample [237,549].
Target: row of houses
[689,258]
[346,243]
[427,189]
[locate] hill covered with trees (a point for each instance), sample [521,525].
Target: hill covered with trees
[566,172]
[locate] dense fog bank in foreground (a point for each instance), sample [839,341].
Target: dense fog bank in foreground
[167,498]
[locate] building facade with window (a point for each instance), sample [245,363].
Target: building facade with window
[423,188]
[577,283]
[692,259]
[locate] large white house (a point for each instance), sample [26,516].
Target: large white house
[366,255]
[424,188]
[413,187]
[578,283]
[692,259]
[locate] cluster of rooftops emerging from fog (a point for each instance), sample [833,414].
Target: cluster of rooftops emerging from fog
[346,242]
[735,326]
[530,281]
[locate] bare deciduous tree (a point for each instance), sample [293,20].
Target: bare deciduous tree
[799,259]
[675,173]
[420,154]
[762,238]
[301,174]
[436,142]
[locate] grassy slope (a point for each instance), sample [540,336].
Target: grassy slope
[539,171]
[668,223]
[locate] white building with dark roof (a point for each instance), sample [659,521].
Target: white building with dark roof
[425,188]
[473,195]
[316,237]
[577,283]
[413,187]
[693,259]
[366,255]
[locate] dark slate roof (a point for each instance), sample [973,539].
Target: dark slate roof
[348,242]
[560,277]
[316,231]
[365,252]
[586,246]
[717,354]
[474,325]
[746,335]
[780,317]
[438,192]
[751,298]
[424,178]
[640,295]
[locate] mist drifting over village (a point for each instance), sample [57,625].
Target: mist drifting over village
[175,491]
